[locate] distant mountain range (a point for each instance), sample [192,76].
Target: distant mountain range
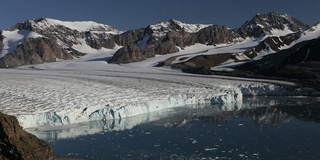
[296,45]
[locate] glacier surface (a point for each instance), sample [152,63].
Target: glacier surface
[53,98]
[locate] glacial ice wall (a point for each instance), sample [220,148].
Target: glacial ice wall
[129,109]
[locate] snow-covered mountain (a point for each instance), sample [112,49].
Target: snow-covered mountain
[194,48]
[272,34]
[47,40]
[172,36]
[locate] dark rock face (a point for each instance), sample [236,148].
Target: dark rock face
[304,52]
[1,40]
[99,40]
[181,39]
[272,43]
[134,53]
[134,50]
[166,47]
[16,144]
[34,51]
[172,39]
[215,35]
[131,53]
[129,37]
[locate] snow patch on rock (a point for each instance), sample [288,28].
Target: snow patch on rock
[12,39]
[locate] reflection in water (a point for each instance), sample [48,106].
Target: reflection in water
[264,128]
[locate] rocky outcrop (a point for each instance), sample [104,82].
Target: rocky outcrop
[272,44]
[130,53]
[129,37]
[99,40]
[1,40]
[16,144]
[215,35]
[180,39]
[134,53]
[35,51]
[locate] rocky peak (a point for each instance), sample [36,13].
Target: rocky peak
[270,24]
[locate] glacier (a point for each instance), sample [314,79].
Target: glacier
[54,97]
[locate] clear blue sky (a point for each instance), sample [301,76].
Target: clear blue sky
[131,14]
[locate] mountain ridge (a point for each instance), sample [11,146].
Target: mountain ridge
[67,40]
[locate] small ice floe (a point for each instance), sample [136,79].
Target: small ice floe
[210,149]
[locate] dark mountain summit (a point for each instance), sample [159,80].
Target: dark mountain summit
[268,24]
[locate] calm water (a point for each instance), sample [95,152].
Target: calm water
[288,129]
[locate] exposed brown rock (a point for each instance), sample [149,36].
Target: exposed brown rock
[129,37]
[134,53]
[181,39]
[34,51]
[215,35]
[99,40]
[126,54]
[16,144]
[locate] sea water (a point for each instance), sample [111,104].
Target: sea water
[262,129]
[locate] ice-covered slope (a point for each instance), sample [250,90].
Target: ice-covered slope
[78,25]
